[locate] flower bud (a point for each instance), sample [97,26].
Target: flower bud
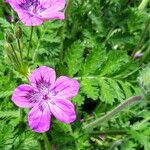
[7,47]
[8,50]
[9,18]
[9,37]
[138,55]
[11,54]
[18,32]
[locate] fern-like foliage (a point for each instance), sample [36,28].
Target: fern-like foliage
[94,45]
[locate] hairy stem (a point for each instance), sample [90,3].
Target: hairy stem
[115,144]
[13,16]
[62,29]
[111,113]
[67,8]
[142,36]
[88,77]
[15,55]
[143,4]
[110,132]
[40,145]
[30,41]
[48,146]
[12,58]
[146,55]
[21,114]
[38,45]
[19,47]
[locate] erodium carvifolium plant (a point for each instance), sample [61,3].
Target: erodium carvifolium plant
[74,75]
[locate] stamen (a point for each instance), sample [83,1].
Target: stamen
[45,97]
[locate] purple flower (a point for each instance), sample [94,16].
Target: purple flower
[35,12]
[8,18]
[101,136]
[81,120]
[47,96]
[138,55]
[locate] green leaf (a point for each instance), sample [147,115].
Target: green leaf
[9,114]
[89,87]
[94,61]
[74,57]
[78,100]
[118,92]
[115,61]
[106,93]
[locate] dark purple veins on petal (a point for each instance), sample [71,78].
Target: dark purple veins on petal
[34,97]
[28,3]
[33,6]
[37,125]
[41,108]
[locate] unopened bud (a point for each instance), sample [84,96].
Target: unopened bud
[8,50]
[18,32]
[7,47]
[9,37]
[9,18]
[138,55]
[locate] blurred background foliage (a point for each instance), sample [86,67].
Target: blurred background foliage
[98,44]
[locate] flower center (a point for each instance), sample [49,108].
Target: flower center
[33,6]
[45,97]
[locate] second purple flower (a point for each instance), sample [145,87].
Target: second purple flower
[35,12]
[47,96]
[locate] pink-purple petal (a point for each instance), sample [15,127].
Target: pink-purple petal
[53,4]
[45,10]
[49,15]
[22,96]
[14,4]
[30,20]
[63,110]
[24,15]
[54,9]
[39,118]
[66,87]
[42,75]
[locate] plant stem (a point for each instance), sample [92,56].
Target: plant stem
[67,8]
[21,114]
[142,37]
[110,33]
[30,40]
[88,77]
[19,47]
[15,55]
[40,145]
[110,132]
[38,45]
[62,29]
[146,55]
[48,146]
[13,16]
[116,143]
[143,4]
[111,113]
